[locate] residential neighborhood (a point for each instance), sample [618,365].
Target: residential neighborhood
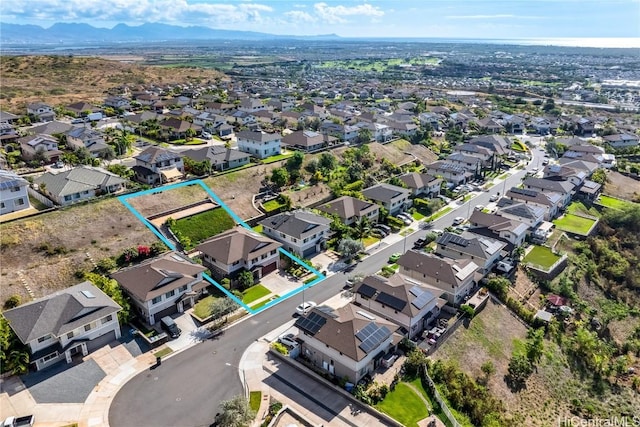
[346,235]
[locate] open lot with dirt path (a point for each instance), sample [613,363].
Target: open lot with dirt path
[622,187]
[47,250]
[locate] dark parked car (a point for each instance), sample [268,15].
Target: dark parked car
[170,326]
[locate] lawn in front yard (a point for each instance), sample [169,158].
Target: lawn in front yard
[277,158]
[202,309]
[574,224]
[201,226]
[369,240]
[253,293]
[272,205]
[403,405]
[440,213]
[542,256]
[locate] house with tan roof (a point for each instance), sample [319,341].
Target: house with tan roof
[393,198]
[162,286]
[348,342]
[65,325]
[351,210]
[47,145]
[421,184]
[483,251]
[304,140]
[236,250]
[451,279]
[402,300]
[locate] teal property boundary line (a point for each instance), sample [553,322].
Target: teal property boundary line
[124,200]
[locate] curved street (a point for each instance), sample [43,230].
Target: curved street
[186,389]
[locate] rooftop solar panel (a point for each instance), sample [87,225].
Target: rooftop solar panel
[422,300]
[366,332]
[374,340]
[453,238]
[311,323]
[416,291]
[391,301]
[366,290]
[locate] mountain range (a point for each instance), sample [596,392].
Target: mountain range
[85,33]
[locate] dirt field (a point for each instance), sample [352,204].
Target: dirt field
[525,291]
[61,80]
[101,229]
[156,203]
[622,187]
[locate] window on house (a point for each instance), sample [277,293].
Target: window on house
[44,338]
[49,357]
[70,335]
[170,293]
[2,205]
[156,300]
[183,288]
[15,189]
[20,202]
[107,319]
[87,327]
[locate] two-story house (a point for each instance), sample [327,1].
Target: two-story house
[219,157]
[300,232]
[393,198]
[485,155]
[498,227]
[346,342]
[69,323]
[450,172]
[483,251]
[79,184]
[421,184]
[452,279]
[622,140]
[351,210]
[236,250]
[259,144]
[13,192]
[529,214]
[162,286]
[44,112]
[470,163]
[33,145]
[158,165]
[86,137]
[304,140]
[251,105]
[565,189]
[550,202]
[398,299]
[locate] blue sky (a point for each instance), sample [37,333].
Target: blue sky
[510,19]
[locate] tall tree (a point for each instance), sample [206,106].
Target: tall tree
[235,412]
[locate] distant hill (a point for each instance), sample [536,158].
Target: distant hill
[85,33]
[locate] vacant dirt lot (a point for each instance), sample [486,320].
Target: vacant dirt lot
[151,204]
[622,187]
[101,229]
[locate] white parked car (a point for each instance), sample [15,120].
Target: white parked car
[288,339]
[458,220]
[305,307]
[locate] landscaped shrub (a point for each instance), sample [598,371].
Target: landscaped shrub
[395,222]
[280,348]
[12,302]
[468,311]
[107,265]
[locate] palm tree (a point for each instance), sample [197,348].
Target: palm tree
[362,228]
[124,141]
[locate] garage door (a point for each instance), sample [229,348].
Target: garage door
[269,268]
[309,252]
[101,341]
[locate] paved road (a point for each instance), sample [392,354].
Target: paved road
[187,388]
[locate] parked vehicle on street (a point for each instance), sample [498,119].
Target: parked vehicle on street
[305,307]
[494,197]
[395,257]
[288,339]
[458,220]
[27,420]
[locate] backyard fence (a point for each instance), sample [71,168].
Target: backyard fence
[40,197]
[439,399]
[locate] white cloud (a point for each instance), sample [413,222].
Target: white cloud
[299,16]
[337,14]
[481,17]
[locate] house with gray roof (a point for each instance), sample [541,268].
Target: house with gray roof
[393,198]
[483,251]
[469,163]
[421,184]
[550,202]
[484,154]
[622,140]
[79,184]
[347,342]
[451,279]
[500,145]
[301,232]
[259,144]
[157,165]
[220,158]
[72,322]
[86,137]
[400,299]
[565,189]
[498,227]
[46,145]
[351,210]
[13,192]
[51,128]
[162,286]
[566,173]
[530,214]
[453,173]
[236,250]
[44,112]
[304,140]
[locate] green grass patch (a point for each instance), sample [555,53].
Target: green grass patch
[440,213]
[277,158]
[417,215]
[369,240]
[202,309]
[263,303]
[579,207]
[503,176]
[403,405]
[201,226]
[613,203]
[272,205]
[254,400]
[165,351]
[574,224]
[253,293]
[258,228]
[407,231]
[541,256]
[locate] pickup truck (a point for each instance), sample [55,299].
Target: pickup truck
[25,421]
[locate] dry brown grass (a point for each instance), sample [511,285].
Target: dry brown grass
[61,80]
[622,187]
[102,229]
